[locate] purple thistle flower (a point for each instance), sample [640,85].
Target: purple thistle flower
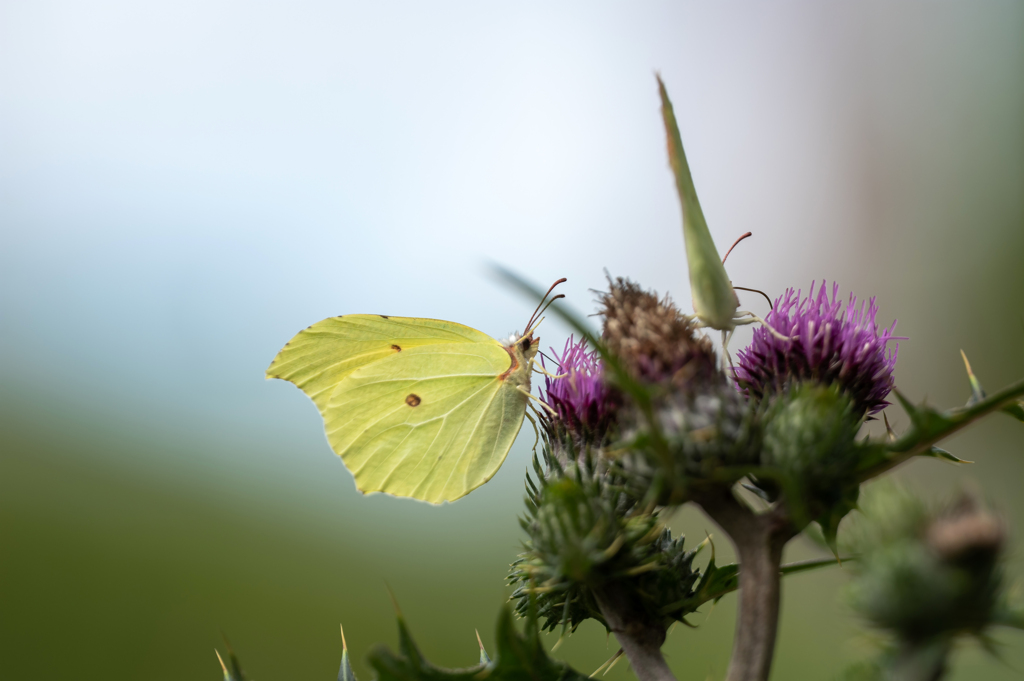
[578,396]
[830,343]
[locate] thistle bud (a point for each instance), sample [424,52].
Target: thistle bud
[704,423]
[586,532]
[810,435]
[966,534]
[810,452]
[928,574]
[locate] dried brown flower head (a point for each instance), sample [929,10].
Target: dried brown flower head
[966,532]
[655,341]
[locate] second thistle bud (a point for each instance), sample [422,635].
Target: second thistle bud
[810,446]
[810,435]
[926,574]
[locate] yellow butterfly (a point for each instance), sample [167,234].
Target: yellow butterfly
[415,407]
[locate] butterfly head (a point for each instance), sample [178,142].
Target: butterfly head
[523,349]
[526,344]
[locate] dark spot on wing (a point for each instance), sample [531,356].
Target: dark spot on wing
[396,348]
[413,400]
[383,316]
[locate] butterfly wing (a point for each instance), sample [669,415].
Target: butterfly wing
[433,422]
[319,357]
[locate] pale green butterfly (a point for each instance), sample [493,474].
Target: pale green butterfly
[417,408]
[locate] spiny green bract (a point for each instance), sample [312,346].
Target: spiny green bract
[811,434]
[692,427]
[811,453]
[586,531]
[711,438]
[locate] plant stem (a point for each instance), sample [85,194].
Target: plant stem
[920,661]
[757,616]
[912,443]
[641,637]
[759,539]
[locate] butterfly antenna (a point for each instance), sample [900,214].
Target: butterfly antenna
[755,290]
[734,245]
[537,322]
[550,302]
[541,303]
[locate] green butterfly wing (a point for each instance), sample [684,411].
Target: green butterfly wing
[320,356]
[432,420]
[433,423]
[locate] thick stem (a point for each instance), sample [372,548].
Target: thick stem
[757,617]
[759,540]
[641,637]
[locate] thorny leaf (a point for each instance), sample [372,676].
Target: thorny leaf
[718,582]
[830,519]
[232,671]
[484,657]
[940,453]
[345,673]
[520,657]
[977,392]
[928,426]
[227,674]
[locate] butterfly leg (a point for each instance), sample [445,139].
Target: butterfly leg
[536,399]
[536,432]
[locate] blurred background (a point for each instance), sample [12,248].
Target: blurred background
[184,185]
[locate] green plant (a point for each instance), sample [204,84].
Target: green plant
[647,416]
